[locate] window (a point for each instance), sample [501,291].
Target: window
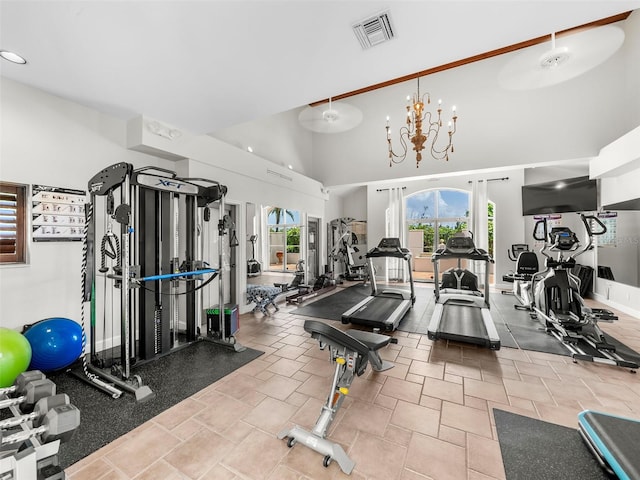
[440,214]
[13,214]
[284,238]
[434,216]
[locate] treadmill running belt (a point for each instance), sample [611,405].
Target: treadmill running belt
[463,323]
[378,309]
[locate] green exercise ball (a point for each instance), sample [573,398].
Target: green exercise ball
[15,355]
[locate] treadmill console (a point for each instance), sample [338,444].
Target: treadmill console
[389,247]
[389,244]
[460,245]
[563,238]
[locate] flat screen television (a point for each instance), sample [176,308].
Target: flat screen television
[577,194]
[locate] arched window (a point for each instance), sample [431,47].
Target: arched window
[432,217]
[439,214]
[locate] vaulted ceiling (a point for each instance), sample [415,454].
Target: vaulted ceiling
[209,65]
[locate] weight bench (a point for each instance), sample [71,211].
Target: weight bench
[263,296]
[614,442]
[352,351]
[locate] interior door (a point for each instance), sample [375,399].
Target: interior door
[313,253]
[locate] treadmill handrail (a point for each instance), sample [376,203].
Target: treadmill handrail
[402,253]
[475,254]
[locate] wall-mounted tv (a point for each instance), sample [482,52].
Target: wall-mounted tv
[577,194]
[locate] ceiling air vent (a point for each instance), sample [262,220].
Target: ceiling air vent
[374,30]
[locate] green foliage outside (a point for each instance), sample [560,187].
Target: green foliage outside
[293,240]
[447,231]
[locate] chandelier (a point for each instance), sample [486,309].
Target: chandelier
[422,127]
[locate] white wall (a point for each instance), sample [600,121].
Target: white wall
[618,167]
[50,141]
[355,204]
[279,138]
[624,257]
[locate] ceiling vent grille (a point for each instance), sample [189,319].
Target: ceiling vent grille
[374,30]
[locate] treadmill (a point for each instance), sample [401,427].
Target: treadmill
[462,312]
[383,309]
[614,442]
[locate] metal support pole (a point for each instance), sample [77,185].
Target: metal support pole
[125,312]
[221,207]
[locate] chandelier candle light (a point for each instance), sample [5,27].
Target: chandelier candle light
[413,131]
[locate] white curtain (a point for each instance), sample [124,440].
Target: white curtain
[395,228]
[263,250]
[479,223]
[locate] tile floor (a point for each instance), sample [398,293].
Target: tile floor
[429,417]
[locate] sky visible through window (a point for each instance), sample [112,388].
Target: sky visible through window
[451,204]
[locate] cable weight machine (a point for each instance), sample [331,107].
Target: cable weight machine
[154,266]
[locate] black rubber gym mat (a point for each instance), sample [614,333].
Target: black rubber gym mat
[537,450]
[173,378]
[516,328]
[529,334]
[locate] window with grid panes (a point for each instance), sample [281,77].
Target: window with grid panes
[12,223]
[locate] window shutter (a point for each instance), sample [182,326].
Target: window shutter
[12,223]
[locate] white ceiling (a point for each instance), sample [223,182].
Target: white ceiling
[207,65]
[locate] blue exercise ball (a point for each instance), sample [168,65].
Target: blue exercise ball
[55,343]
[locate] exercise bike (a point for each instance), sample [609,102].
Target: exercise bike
[557,301]
[254,268]
[522,278]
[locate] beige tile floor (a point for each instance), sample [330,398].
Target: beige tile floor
[429,417]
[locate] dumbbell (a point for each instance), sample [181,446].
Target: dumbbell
[30,387]
[59,423]
[21,380]
[39,411]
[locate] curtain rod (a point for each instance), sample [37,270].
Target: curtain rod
[386,189]
[492,180]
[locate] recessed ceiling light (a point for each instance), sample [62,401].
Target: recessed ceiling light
[249,149]
[290,167]
[12,57]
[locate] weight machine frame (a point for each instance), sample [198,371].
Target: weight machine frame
[150,269]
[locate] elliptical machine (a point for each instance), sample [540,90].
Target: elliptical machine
[557,301]
[522,278]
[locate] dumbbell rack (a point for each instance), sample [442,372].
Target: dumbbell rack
[24,454]
[26,463]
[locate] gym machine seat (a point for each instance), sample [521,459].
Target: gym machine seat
[351,351]
[614,442]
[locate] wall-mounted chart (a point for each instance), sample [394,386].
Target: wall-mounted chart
[610,220]
[57,214]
